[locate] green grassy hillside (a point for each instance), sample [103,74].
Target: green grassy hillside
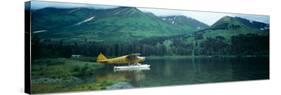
[107,24]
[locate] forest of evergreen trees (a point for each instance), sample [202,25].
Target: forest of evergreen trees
[246,44]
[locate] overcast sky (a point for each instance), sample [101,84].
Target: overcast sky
[205,17]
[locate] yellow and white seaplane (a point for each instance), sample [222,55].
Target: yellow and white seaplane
[132,61]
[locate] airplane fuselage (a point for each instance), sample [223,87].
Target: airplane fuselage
[126,59]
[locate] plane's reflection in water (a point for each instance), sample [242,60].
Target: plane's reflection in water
[131,76]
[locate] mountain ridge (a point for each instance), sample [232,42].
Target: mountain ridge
[108,23]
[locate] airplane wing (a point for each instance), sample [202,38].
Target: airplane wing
[132,56]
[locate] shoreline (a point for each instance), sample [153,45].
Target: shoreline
[206,56]
[89,58]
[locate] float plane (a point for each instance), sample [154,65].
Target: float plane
[132,61]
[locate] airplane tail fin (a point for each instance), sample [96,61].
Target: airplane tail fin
[101,57]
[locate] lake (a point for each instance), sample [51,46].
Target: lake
[179,71]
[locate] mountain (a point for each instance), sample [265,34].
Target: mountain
[54,18]
[231,26]
[224,30]
[237,22]
[61,32]
[228,36]
[183,21]
[107,24]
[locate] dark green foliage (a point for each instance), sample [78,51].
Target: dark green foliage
[59,74]
[36,47]
[214,46]
[83,71]
[250,44]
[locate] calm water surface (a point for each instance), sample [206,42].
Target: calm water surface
[176,71]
